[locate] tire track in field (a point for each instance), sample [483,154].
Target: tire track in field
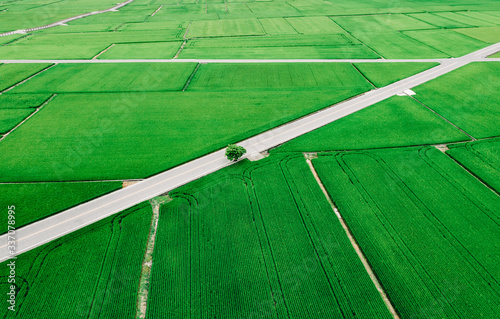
[30,116]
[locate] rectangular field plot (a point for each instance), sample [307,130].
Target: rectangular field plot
[150,50]
[279,47]
[9,118]
[61,50]
[464,19]
[104,77]
[398,121]
[134,135]
[488,34]
[267,9]
[438,21]
[380,23]
[482,158]
[382,74]
[39,200]
[265,76]
[447,41]
[427,227]
[22,101]
[314,25]
[11,74]
[468,97]
[274,26]
[257,240]
[395,45]
[224,28]
[482,16]
[94,272]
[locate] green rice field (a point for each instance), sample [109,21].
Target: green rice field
[426,226]
[477,113]
[382,74]
[10,118]
[94,271]
[12,74]
[481,158]
[398,121]
[391,210]
[22,101]
[257,240]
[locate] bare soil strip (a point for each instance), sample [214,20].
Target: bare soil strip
[353,241]
[142,294]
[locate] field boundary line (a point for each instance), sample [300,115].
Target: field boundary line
[364,76]
[83,61]
[186,85]
[180,49]
[147,263]
[27,79]
[479,179]
[444,118]
[103,51]
[64,21]
[30,116]
[354,244]
[44,231]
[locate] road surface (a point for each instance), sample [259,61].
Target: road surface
[53,227]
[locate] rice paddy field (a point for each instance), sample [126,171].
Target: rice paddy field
[404,29]
[109,118]
[481,158]
[398,121]
[257,240]
[94,272]
[449,95]
[390,211]
[39,200]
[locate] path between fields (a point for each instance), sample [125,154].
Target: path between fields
[48,229]
[62,22]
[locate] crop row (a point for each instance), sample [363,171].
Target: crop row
[426,226]
[92,273]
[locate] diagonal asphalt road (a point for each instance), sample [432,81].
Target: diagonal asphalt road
[53,227]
